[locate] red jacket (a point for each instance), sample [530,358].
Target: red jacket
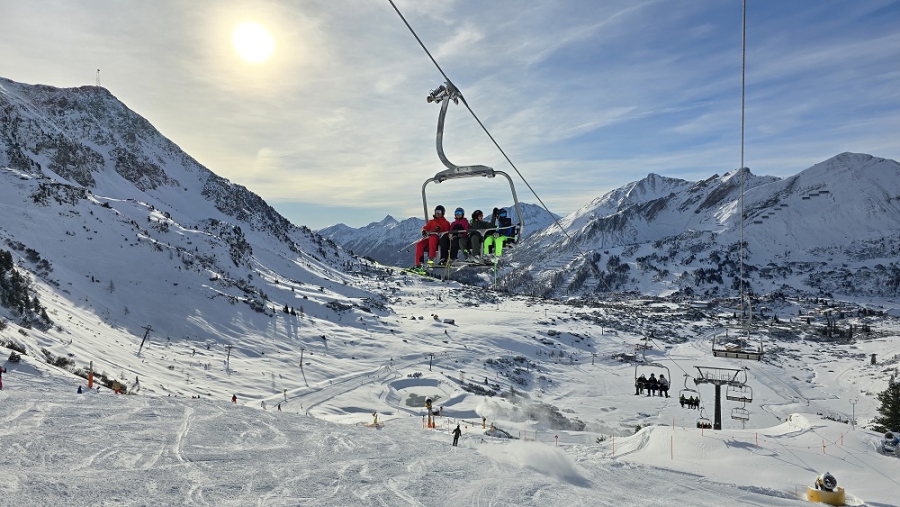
[437,225]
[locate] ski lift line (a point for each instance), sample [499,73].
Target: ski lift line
[497,145]
[669,357]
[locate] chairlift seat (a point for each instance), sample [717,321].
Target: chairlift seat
[740,414]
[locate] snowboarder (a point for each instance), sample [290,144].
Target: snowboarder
[432,234]
[234,398]
[279,407]
[79,390]
[456,433]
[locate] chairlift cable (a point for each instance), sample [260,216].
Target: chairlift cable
[497,145]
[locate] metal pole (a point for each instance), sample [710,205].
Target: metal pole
[717,421]
[853,416]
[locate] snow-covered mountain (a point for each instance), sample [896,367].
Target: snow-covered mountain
[97,203]
[385,241]
[828,229]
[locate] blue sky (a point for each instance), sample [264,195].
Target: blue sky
[584,96]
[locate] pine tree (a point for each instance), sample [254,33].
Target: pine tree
[889,409]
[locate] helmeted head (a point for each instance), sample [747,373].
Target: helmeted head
[502,213]
[439,209]
[459,213]
[477,215]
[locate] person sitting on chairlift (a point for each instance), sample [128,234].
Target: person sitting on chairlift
[478,229]
[652,385]
[663,385]
[504,234]
[459,239]
[433,233]
[639,384]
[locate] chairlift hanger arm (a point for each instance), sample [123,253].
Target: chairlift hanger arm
[443,95]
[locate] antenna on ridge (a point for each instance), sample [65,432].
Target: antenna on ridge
[98,78]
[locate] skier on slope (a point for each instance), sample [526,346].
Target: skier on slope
[456,433]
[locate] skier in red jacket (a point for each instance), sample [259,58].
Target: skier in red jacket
[433,233]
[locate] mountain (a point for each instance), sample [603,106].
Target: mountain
[381,241]
[821,231]
[98,204]
[386,241]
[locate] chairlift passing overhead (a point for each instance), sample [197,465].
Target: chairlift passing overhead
[703,422]
[443,95]
[687,392]
[646,368]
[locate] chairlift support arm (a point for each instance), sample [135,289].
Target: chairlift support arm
[443,95]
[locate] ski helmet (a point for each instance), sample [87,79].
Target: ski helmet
[459,212]
[477,213]
[502,212]
[440,208]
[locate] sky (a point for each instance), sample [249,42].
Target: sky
[582,96]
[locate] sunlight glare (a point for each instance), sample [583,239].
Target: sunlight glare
[253,42]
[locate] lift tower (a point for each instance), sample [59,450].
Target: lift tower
[734,379]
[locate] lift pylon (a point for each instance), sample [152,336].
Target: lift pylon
[718,377]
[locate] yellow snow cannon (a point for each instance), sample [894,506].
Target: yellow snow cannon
[825,490]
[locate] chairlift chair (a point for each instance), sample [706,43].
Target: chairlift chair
[742,393]
[703,421]
[740,414]
[443,95]
[740,348]
[646,367]
[687,391]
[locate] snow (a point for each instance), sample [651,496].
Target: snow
[162,446]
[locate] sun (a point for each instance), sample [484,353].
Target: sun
[253,42]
